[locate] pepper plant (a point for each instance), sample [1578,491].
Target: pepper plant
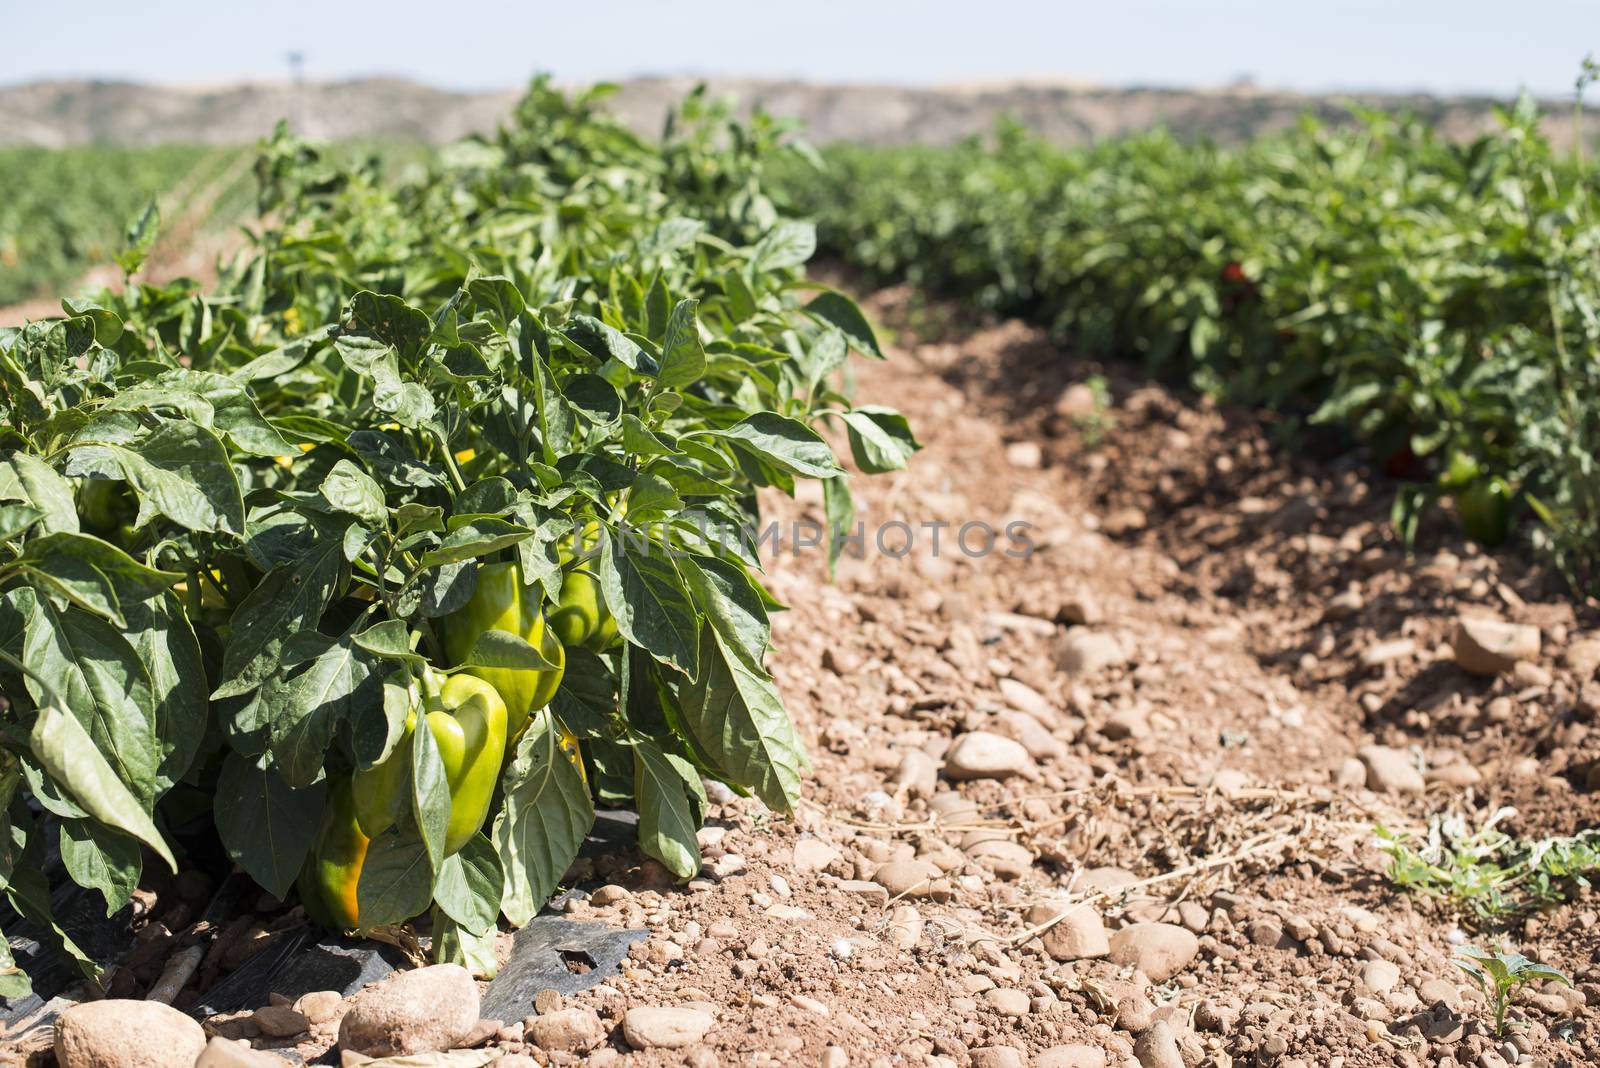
[423,531]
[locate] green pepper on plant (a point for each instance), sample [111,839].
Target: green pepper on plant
[503,601]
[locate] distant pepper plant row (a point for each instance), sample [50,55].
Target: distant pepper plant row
[1439,301]
[66,211]
[425,530]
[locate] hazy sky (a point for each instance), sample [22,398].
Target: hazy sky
[1439,45]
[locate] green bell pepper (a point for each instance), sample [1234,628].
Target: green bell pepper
[467,719]
[502,601]
[1485,510]
[580,616]
[332,872]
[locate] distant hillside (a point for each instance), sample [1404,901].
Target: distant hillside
[81,112]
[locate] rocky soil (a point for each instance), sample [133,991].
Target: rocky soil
[1109,803]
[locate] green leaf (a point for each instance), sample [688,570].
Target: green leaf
[389,640]
[789,244]
[430,796]
[266,826]
[733,709]
[880,439]
[667,826]
[499,296]
[646,595]
[102,683]
[840,311]
[840,507]
[607,343]
[69,756]
[27,478]
[594,399]
[139,237]
[290,599]
[478,538]
[683,360]
[396,877]
[543,821]
[324,682]
[784,442]
[133,579]
[28,890]
[101,860]
[391,320]
[351,490]
[160,633]
[454,944]
[652,497]
[471,886]
[180,471]
[15,519]
[14,982]
[502,649]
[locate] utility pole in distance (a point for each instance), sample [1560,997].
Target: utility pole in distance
[297,80]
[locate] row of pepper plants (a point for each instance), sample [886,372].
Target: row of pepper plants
[65,209]
[1437,301]
[425,530]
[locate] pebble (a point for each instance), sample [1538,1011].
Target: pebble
[917,775]
[1007,859]
[812,855]
[1160,950]
[664,1027]
[320,1006]
[998,1057]
[1026,455]
[119,1033]
[1266,933]
[567,1030]
[610,894]
[908,878]
[1125,724]
[834,1057]
[1492,646]
[905,927]
[1030,734]
[984,755]
[1440,992]
[1385,652]
[418,1011]
[1459,775]
[1076,1055]
[810,1004]
[280,1021]
[1343,605]
[226,1053]
[1080,935]
[1582,658]
[1007,1002]
[1380,976]
[1024,698]
[1077,401]
[1390,771]
[1081,651]
[1157,1048]
[874,893]
[1080,609]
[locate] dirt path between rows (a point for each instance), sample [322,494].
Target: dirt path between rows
[1256,628]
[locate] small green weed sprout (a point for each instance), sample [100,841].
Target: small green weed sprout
[1500,974]
[1489,875]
